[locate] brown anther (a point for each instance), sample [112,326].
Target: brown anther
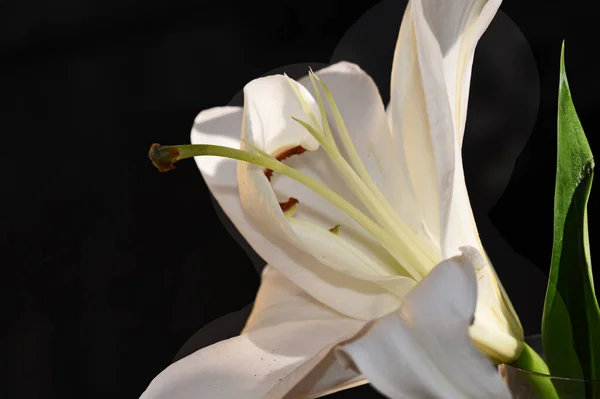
[283,155]
[287,205]
[269,174]
[163,157]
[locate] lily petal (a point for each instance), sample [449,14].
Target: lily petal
[276,131]
[269,232]
[429,95]
[424,350]
[276,350]
[427,113]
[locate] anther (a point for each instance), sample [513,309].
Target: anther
[283,155]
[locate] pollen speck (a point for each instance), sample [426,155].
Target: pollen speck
[335,229]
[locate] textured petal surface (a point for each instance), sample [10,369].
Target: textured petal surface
[277,349]
[427,111]
[424,350]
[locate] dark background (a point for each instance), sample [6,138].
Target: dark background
[108,267]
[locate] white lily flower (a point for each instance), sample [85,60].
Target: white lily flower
[369,204]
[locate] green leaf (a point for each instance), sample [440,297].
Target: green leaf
[531,361]
[571,321]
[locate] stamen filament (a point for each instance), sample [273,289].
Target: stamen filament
[316,134]
[325,123]
[302,100]
[367,197]
[424,255]
[359,167]
[258,150]
[163,157]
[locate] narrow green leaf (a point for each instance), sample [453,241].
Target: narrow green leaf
[571,321]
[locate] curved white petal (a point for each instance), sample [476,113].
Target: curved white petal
[264,225]
[427,113]
[269,104]
[280,301]
[277,350]
[429,95]
[497,330]
[424,350]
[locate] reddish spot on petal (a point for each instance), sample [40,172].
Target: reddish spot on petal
[287,205]
[283,155]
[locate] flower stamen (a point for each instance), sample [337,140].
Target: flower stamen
[289,204]
[163,156]
[283,155]
[415,251]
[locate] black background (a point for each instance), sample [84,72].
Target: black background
[108,267]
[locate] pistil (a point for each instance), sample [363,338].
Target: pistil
[164,158]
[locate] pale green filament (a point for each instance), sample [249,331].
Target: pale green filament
[356,162]
[366,197]
[326,128]
[419,254]
[303,102]
[258,150]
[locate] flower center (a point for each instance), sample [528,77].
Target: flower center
[413,253]
[415,250]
